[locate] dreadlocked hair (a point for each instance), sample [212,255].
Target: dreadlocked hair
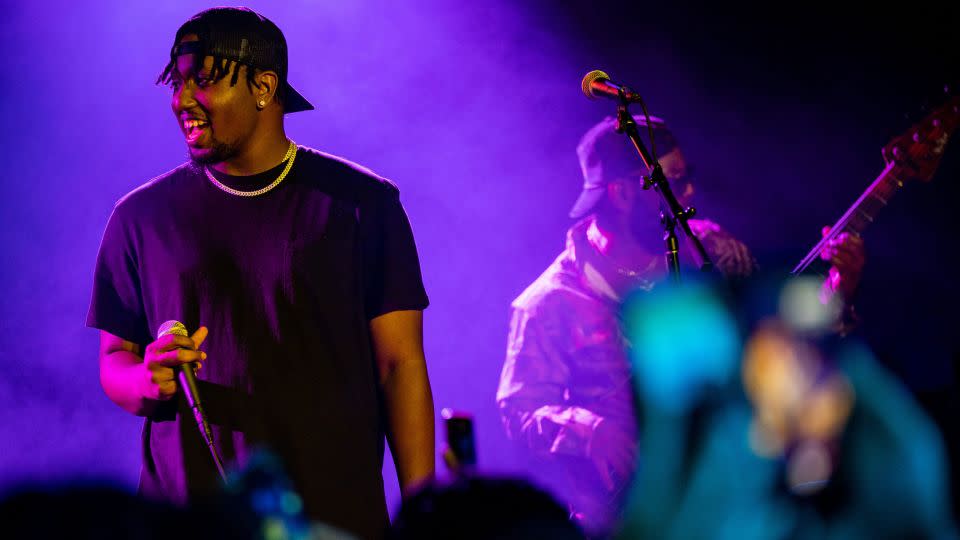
[221,68]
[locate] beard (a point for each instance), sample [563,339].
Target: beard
[644,223]
[219,151]
[644,219]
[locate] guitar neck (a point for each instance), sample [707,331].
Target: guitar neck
[859,216]
[914,155]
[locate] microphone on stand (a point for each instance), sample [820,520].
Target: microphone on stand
[597,84]
[188,383]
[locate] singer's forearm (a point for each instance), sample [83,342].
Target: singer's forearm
[398,346]
[411,424]
[122,376]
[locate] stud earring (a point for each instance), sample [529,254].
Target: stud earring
[263,103]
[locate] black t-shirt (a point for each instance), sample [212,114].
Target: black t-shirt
[286,282]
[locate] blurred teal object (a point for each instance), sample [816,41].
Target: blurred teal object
[698,476]
[683,340]
[262,488]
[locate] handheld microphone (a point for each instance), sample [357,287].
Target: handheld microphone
[188,383]
[597,84]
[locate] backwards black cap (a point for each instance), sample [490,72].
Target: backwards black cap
[244,36]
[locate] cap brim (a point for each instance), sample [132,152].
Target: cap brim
[588,198]
[294,101]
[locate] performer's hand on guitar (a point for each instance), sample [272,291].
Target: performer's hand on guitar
[847,255]
[613,452]
[166,353]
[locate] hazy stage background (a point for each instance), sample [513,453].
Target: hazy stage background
[474,110]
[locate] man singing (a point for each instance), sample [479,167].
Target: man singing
[298,274]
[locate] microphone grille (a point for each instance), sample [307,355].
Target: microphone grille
[172,327]
[588,80]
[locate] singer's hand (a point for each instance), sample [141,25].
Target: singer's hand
[167,353]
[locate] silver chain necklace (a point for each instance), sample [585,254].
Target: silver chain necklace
[637,273]
[288,157]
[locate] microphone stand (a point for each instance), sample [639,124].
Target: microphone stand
[674,214]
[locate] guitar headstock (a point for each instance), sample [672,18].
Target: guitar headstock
[917,152]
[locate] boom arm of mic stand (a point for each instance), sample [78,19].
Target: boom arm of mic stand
[657,180]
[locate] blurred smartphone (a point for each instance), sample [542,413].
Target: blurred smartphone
[460,439]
